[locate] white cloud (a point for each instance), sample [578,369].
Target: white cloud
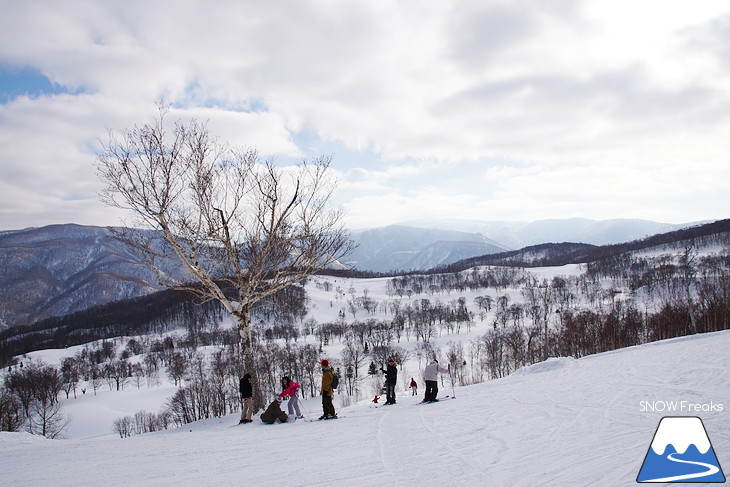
[550,98]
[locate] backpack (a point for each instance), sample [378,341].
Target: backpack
[335,380]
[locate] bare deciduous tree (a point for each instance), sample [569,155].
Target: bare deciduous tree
[688,266]
[11,412]
[36,388]
[242,228]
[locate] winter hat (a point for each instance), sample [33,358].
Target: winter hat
[325,363]
[247,376]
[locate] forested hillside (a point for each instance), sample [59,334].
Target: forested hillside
[486,322]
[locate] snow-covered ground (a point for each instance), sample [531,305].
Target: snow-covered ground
[563,422]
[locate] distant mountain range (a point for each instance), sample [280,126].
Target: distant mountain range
[60,269]
[705,236]
[425,244]
[400,247]
[516,235]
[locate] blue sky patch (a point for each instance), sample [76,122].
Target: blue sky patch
[26,82]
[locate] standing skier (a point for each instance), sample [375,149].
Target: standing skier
[414,387]
[291,392]
[430,375]
[391,379]
[246,390]
[327,392]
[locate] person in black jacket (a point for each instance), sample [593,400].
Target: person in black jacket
[391,379]
[246,390]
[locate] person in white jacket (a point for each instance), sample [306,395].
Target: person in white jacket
[430,375]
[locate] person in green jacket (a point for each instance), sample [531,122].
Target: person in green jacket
[274,412]
[327,392]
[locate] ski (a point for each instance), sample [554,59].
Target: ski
[437,400]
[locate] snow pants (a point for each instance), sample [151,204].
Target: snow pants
[432,389]
[247,408]
[293,405]
[327,407]
[390,393]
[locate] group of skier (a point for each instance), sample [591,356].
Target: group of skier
[430,376]
[290,391]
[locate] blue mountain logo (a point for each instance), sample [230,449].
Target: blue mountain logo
[681,452]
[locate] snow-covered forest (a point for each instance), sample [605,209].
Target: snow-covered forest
[485,322]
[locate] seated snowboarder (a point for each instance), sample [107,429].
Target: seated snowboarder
[274,412]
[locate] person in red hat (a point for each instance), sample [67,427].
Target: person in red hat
[327,392]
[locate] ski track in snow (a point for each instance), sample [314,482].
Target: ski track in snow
[567,423]
[462,471]
[381,443]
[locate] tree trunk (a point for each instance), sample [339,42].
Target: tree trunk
[691,310]
[243,322]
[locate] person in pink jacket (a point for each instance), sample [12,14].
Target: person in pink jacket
[291,392]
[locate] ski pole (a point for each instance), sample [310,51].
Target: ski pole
[453,393]
[306,411]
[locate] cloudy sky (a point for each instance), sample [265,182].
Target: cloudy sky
[471,109]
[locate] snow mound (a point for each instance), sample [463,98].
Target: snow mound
[552,363]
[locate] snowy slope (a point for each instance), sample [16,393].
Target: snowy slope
[563,422]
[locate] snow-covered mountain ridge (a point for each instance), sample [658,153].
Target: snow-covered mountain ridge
[60,269]
[56,270]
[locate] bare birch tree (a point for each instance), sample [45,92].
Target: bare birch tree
[242,227]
